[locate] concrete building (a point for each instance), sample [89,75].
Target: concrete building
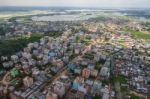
[74,94]
[86,73]
[28,81]
[51,95]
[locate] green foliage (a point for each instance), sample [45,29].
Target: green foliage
[89,56]
[88,37]
[86,41]
[138,35]
[73,56]
[83,66]
[5,28]
[77,38]
[9,47]
[17,84]
[134,96]
[53,34]
[98,66]
[14,72]
[121,79]
[23,18]
[97,96]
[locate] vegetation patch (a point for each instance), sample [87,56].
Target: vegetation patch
[139,35]
[9,47]
[73,56]
[132,96]
[121,79]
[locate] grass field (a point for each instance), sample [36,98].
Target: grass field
[139,35]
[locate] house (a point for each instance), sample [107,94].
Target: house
[30,45]
[94,73]
[86,73]
[26,69]
[4,58]
[54,69]
[89,82]
[83,89]
[35,52]
[97,85]
[36,45]
[104,71]
[84,62]
[77,50]
[51,54]
[96,57]
[59,88]
[42,76]
[91,66]
[26,55]
[71,66]
[14,58]
[7,64]
[77,71]
[105,92]
[77,83]
[35,72]
[32,62]
[66,59]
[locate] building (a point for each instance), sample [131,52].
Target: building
[77,71]
[28,81]
[51,95]
[1,91]
[86,73]
[14,58]
[59,88]
[13,96]
[104,71]
[74,94]
[71,66]
[94,73]
[97,86]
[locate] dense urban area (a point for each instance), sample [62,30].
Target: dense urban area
[74,54]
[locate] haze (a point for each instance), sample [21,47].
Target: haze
[78,3]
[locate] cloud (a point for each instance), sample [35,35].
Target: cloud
[77,3]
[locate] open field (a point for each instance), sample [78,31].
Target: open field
[139,35]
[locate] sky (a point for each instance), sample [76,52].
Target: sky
[79,3]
